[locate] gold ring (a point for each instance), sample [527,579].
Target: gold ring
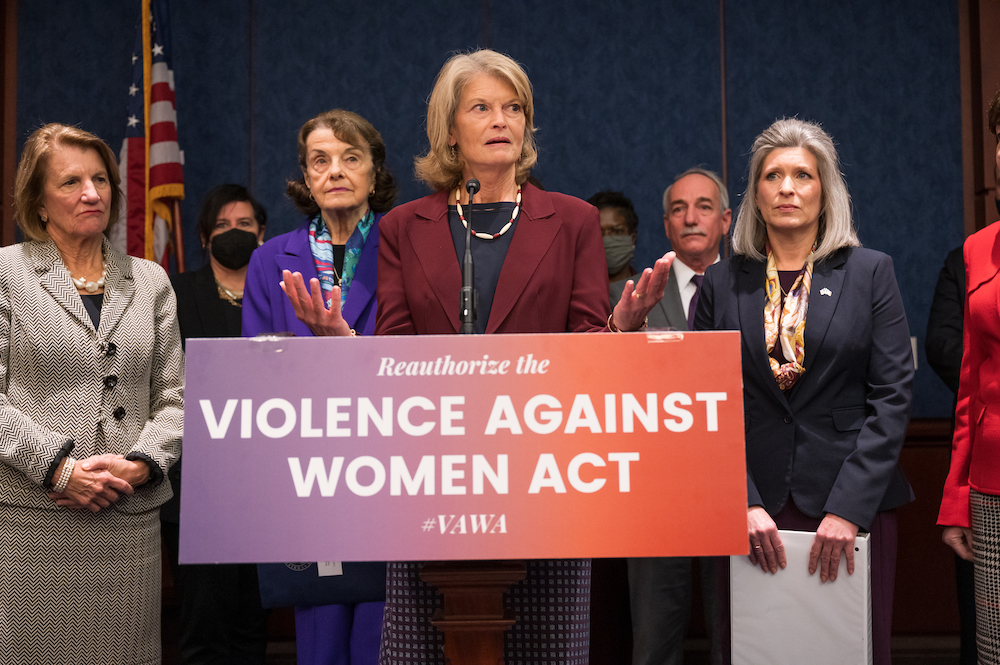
[638,295]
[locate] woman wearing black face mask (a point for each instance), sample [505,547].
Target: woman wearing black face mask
[231,226]
[221,619]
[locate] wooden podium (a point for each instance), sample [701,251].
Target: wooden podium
[473,619]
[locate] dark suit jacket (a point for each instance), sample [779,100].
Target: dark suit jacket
[200,313]
[200,310]
[832,442]
[265,306]
[943,343]
[554,278]
[669,311]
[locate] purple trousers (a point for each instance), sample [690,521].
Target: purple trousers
[338,634]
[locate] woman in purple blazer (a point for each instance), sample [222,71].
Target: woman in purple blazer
[344,188]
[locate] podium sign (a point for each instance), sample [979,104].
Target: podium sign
[463,447]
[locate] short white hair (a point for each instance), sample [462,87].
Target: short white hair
[697,170]
[836,224]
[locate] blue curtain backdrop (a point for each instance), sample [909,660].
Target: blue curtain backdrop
[628,94]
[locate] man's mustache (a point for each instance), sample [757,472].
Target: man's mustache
[693,231]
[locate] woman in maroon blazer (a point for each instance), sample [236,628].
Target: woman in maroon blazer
[540,267]
[970,509]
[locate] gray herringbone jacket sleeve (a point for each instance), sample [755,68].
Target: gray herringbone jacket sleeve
[115,389]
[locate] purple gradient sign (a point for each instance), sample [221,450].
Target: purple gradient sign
[463,447]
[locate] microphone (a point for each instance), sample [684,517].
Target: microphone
[468,297]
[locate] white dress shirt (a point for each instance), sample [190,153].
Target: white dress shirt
[685,286]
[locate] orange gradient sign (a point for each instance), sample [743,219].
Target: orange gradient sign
[470,447]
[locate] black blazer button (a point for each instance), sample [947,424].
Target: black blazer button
[119,413]
[111,350]
[110,381]
[788,419]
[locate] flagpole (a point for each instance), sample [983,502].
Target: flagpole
[178,236]
[147,89]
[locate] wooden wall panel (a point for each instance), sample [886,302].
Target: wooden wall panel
[925,601]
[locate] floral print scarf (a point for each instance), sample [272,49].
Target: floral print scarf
[322,250]
[787,322]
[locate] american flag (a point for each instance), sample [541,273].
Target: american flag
[151,161]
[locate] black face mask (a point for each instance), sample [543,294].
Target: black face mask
[233,248]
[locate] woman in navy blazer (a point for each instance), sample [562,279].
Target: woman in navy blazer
[827,364]
[344,189]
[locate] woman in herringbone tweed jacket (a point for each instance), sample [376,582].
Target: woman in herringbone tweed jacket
[91,391]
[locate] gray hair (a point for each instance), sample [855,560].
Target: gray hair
[836,224]
[711,175]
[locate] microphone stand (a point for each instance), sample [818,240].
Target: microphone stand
[473,590]
[468,298]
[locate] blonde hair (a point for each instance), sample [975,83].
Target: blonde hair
[29,183]
[836,224]
[441,168]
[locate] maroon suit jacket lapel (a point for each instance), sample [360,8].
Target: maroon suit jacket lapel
[432,243]
[431,240]
[536,229]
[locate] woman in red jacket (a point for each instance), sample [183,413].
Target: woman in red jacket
[970,509]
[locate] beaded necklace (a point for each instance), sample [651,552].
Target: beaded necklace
[83,284]
[489,236]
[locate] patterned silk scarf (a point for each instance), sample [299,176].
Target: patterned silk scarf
[321,246]
[788,322]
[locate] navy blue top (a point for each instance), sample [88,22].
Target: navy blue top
[487,255]
[93,303]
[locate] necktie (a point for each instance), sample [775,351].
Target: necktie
[694,300]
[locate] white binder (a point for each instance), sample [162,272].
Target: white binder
[791,617]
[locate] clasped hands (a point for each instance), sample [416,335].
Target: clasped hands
[99,481]
[310,308]
[834,537]
[641,296]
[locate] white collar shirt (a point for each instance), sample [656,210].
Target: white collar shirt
[685,286]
